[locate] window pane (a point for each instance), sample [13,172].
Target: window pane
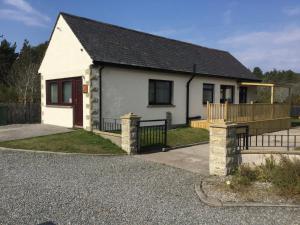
[160,92]
[67,92]
[208,93]
[151,92]
[226,94]
[53,93]
[163,92]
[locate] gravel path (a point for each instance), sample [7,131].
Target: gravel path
[37,188]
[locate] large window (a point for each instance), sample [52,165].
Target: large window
[160,92]
[59,92]
[208,93]
[227,94]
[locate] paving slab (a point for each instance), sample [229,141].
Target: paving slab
[21,131]
[194,159]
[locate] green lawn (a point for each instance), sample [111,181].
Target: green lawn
[81,141]
[78,141]
[186,135]
[295,122]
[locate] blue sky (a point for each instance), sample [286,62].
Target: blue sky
[259,33]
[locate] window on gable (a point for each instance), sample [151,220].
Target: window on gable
[208,93]
[160,92]
[60,91]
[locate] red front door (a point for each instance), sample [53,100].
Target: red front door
[78,111]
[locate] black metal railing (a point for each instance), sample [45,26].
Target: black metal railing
[260,138]
[242,134]
[152,134]
[108,125]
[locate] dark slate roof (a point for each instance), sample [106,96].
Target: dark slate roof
[113,44]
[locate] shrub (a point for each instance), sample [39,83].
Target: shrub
[266,170]
[243,176]
[286,176]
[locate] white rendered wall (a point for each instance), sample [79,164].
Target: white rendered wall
[65,57]
[59,116]
[126,90]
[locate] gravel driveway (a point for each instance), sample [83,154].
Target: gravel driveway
[37,188]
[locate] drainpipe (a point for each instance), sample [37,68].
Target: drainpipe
[188,95]
[100,97]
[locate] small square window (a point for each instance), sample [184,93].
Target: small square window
[160,92]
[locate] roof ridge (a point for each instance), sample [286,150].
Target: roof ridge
[141,32]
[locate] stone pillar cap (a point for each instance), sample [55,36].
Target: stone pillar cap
[130,116]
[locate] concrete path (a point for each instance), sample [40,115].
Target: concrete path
[193,159]
[21,131]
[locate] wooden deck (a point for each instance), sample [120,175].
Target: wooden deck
[200,124]
[273,116]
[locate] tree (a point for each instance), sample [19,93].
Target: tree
[24,73]
[7,57]
[287,78]
[258,72]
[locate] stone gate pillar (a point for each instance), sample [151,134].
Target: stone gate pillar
[129,133]
[223,157]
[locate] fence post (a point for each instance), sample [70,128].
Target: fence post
[130,133]
[169,120]
[288,139]
[208,111]
[252,111]
[223,155]
[226,111]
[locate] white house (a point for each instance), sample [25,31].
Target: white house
[93,70]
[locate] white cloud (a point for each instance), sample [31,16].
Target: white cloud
[292,11]
[275,49]
[20,4]
[22,11]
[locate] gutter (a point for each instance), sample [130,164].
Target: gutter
[188,95]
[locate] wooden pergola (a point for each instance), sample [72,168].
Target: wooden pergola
[272,86]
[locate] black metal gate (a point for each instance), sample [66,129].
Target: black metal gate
[152,135]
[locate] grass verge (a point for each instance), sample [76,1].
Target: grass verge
[175,137]
[78,141]
[186,135]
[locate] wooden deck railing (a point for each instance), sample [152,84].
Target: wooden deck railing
[246,112]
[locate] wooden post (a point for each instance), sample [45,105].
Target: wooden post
[207,111]
[272,94]
[252,111]
[226,111]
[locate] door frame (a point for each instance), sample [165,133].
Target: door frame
[74,105]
